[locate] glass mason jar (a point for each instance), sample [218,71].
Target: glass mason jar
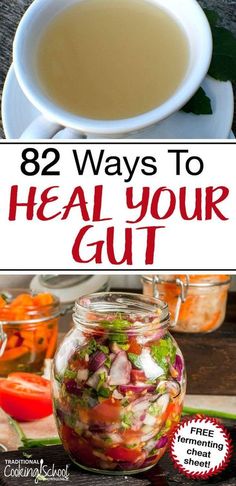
[197,303]
[68,288]
[118,383]
[28,330]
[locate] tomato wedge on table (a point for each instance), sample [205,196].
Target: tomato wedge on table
[26,396]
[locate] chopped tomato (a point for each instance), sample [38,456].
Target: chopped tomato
[124,454]
[137,375]
[134,347]
[107,411]
[172,409]
[26,396]
[78,446]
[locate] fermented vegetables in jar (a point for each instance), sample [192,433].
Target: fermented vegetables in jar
[28,330]
[118,383]
[197,303]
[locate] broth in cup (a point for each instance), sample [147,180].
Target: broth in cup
[109,68]
[110,60]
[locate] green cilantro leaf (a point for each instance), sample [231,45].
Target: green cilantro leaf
[104,392]
[118,327]
[103,349]
[127,420]
[90,348]
[108,362]
[135,360]
[154,409]
[199,104]
[164,353]
[71,375]
[119,338]
[102,379]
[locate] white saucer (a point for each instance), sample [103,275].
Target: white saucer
[18,113]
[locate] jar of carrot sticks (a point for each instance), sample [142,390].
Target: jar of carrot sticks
[197,303]
[28,330]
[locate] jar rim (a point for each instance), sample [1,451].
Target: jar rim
[34,314]
[106,304]
[149,279]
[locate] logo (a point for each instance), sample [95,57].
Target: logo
[201,447]
[35,469]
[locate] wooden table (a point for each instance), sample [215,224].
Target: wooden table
[211,359]
[163,474]
[11,12]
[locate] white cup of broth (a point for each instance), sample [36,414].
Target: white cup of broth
[105,68]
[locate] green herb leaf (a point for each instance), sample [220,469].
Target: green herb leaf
[135,360]
[223,64]
[120,323]
[90,348]
[102,380]
[212,17]
[70,374]
[199,104]
[70,420]
[222,67]
[28,456]
[108,440]
[74,400]
[118,327]
[118,338]
[40,477]
[88,399]
[104,392]
[103,349]
[154,409]
[125,347]
[127,420]
[164,353]
[30,443]
[131,446]
[58,378]
[125,402]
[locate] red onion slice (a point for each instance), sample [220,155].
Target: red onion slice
[120,370]
[96,360]
[137,388]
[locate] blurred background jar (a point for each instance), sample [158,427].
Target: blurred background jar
[197,303]
[67,289]
[28,330]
